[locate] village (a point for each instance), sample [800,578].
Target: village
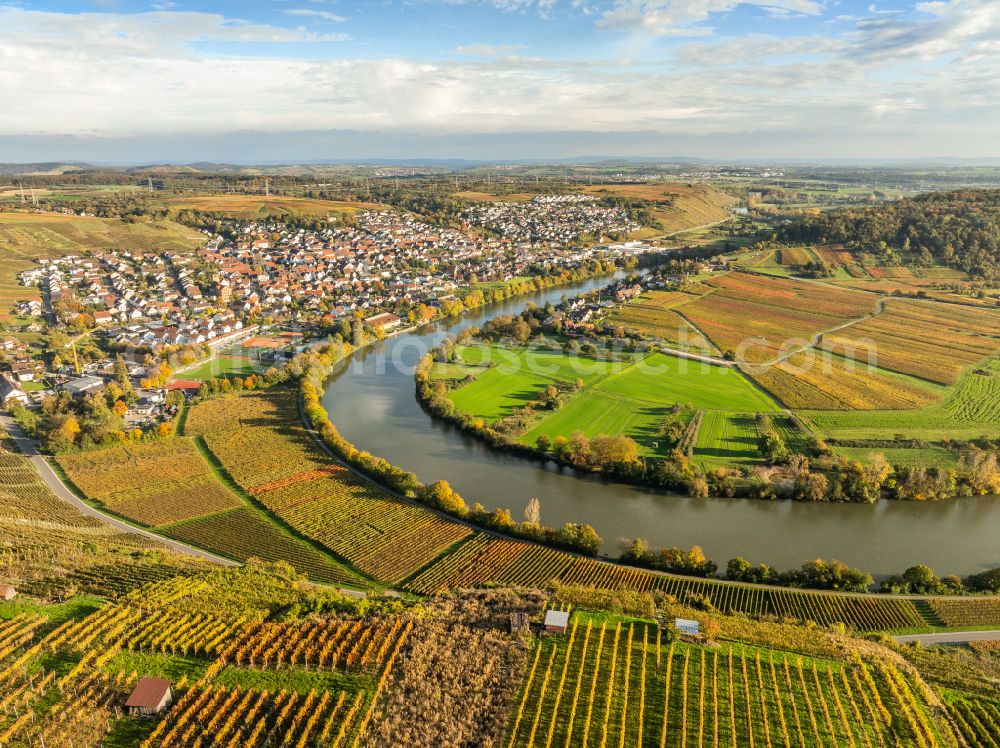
[382,269]
[553,219]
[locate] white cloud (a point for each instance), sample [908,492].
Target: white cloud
[686,17]
[488,50]
[310,13]
[954,27]
[151,74]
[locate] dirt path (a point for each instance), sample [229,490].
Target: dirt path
[950,637]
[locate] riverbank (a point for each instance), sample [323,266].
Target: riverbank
[370,397]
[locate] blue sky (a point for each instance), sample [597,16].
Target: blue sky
[120,80]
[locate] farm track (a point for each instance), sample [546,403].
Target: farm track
[950,637]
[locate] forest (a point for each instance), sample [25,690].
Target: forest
[960,229]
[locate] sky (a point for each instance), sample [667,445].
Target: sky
[132,81]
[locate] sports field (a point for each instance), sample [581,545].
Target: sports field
[223,366]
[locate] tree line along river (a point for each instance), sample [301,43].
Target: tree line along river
[370,398]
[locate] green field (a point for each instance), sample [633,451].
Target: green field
[519,376]
[727,438]
[222,366]
[594,412]
[926,457]
[633,399]
[665,380]
[970,410]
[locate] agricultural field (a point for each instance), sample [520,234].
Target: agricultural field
[652,315]
[610,680]
[259,441]
[758,317]
[827,382]
[796,256]
[969,410]
[23,495]
[594,412]
[259,206]
[660,324]
[153,483]
[169,485]
[905,457]
[245,533]
[678,206]
[977,611]
[643,393]
[727,439]
[976,719]
[519,375]
[27,236]
[664,380]
[238,679]
[928,340]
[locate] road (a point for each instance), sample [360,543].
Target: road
[950,637]
[55,484]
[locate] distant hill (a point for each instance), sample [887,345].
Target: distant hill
[47,168]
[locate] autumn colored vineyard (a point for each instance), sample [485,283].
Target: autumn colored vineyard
[745,307]
[485,559]
[169,485]
[170,620]
[258,440]
[612,681]
[154,483]
[928,340]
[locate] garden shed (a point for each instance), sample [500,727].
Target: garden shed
[556,621]
[150,697]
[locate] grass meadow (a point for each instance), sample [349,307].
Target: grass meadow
[633,398]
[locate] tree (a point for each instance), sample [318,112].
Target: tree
[543,443]
[810,487]
[579,537]
[533,512]
[121,373]
[635,551]
[738,569]
[441,495]
[578,448]
[63,436]
[921,580]
[698,488]
[606,451]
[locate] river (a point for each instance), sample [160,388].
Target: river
[370,398]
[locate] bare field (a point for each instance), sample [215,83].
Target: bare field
[683,206]
[255,206]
